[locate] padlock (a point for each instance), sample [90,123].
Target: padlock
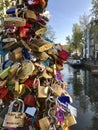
[69,120]
[29,100]
[10,11]
[2,51]
[56,89]
[31,111]
[3,92]
[42,92]
[14,118]
[60,115]
[17,54]
[23,32]
[5,72]
[40,45]
[13,70]
[53,123]
[44,123]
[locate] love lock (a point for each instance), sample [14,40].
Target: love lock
[62,103]
[60,115]
[53,123]
[56,112]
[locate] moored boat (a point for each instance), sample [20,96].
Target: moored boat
[74,62]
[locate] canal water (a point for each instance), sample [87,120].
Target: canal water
[83,87]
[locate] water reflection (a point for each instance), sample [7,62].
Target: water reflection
[83,87]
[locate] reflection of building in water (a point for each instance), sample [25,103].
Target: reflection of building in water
[91,89]
[77,85]
[83,88]
[84,102]
[91,86]
[86,81]
[88,96]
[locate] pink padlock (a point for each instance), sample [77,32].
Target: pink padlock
[60,115]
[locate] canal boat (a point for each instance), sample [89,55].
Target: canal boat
[74,62]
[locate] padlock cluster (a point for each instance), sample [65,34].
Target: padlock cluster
[33,95]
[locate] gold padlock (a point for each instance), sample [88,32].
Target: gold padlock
[17,54]
[44,123]
[69,120]
[42,92]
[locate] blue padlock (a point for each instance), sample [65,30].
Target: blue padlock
[2,51]
[64,99]
[7,63]
[26,54]
[11,11]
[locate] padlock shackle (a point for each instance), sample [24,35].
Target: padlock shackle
[12,103]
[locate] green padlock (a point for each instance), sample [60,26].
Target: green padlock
[5,72]
[10,85]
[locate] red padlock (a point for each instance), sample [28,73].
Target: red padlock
[3,92]
[29,100]
[29,82]
[23,32]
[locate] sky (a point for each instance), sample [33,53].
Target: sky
[63,14]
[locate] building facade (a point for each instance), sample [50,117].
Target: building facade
[90,49]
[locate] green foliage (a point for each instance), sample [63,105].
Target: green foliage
[69,41]
[94,32]
[77,36]
[71,48]
[94,10]
[75,42]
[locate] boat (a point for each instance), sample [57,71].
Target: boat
[74,62]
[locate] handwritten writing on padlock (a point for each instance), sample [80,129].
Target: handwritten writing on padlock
[14,119]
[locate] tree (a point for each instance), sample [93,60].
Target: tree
[94,9]
[77,36]
[84,21]
[84,25]
[94,21]
[69,41]
[75,41]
